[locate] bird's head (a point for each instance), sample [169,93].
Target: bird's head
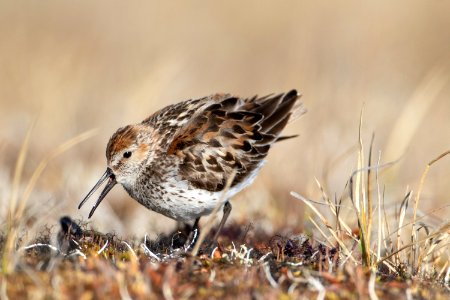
[126,154]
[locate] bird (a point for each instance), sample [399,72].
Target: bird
[189,157]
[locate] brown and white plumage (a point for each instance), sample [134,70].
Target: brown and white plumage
[178,160]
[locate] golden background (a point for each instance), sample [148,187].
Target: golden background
[70,67]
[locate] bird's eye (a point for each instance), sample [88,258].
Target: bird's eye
[127,154]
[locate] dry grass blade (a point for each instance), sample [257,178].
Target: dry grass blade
[9,244]
[330,243]
[18,169]
[358,201]
[369,193]
[397,251]
[403,208]
[325,222]
[386,226]
[380,219]
[417,198]
[422,180]
[441,273]
[334,208]
[43,164]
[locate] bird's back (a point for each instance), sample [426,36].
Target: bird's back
[220,134]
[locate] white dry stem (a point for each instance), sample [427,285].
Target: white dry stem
[40,245]
[318,286]
[130,249]
[409,295]
[330,264]
[447,276]
[380,220]
[262,258]
[330,243]
[269,277]
[390,266]
[403,209]
[346,259]
[103,248]
[75,242]
[248,260]
[148,252]
[212,276]
[187,247]
[443,270]
[292,288]
[386,228]
[295,264]
[79,253]
[243,255]
[214,251]
[359,186]
[314,254]
[372,293]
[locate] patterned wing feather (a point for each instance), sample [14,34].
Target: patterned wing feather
[229,133]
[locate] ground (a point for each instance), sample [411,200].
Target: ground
[246,263]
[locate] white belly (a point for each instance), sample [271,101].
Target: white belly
[178,200]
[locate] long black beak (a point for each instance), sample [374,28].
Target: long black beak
[112,181]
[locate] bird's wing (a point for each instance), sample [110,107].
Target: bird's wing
[229,133]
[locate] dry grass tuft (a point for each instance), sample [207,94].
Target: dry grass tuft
[16,213]
[393,253]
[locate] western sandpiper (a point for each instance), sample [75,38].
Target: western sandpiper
[178,161]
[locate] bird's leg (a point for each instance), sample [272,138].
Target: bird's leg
[193,235]
[226,212]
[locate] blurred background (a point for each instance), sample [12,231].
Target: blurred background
[74,66]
